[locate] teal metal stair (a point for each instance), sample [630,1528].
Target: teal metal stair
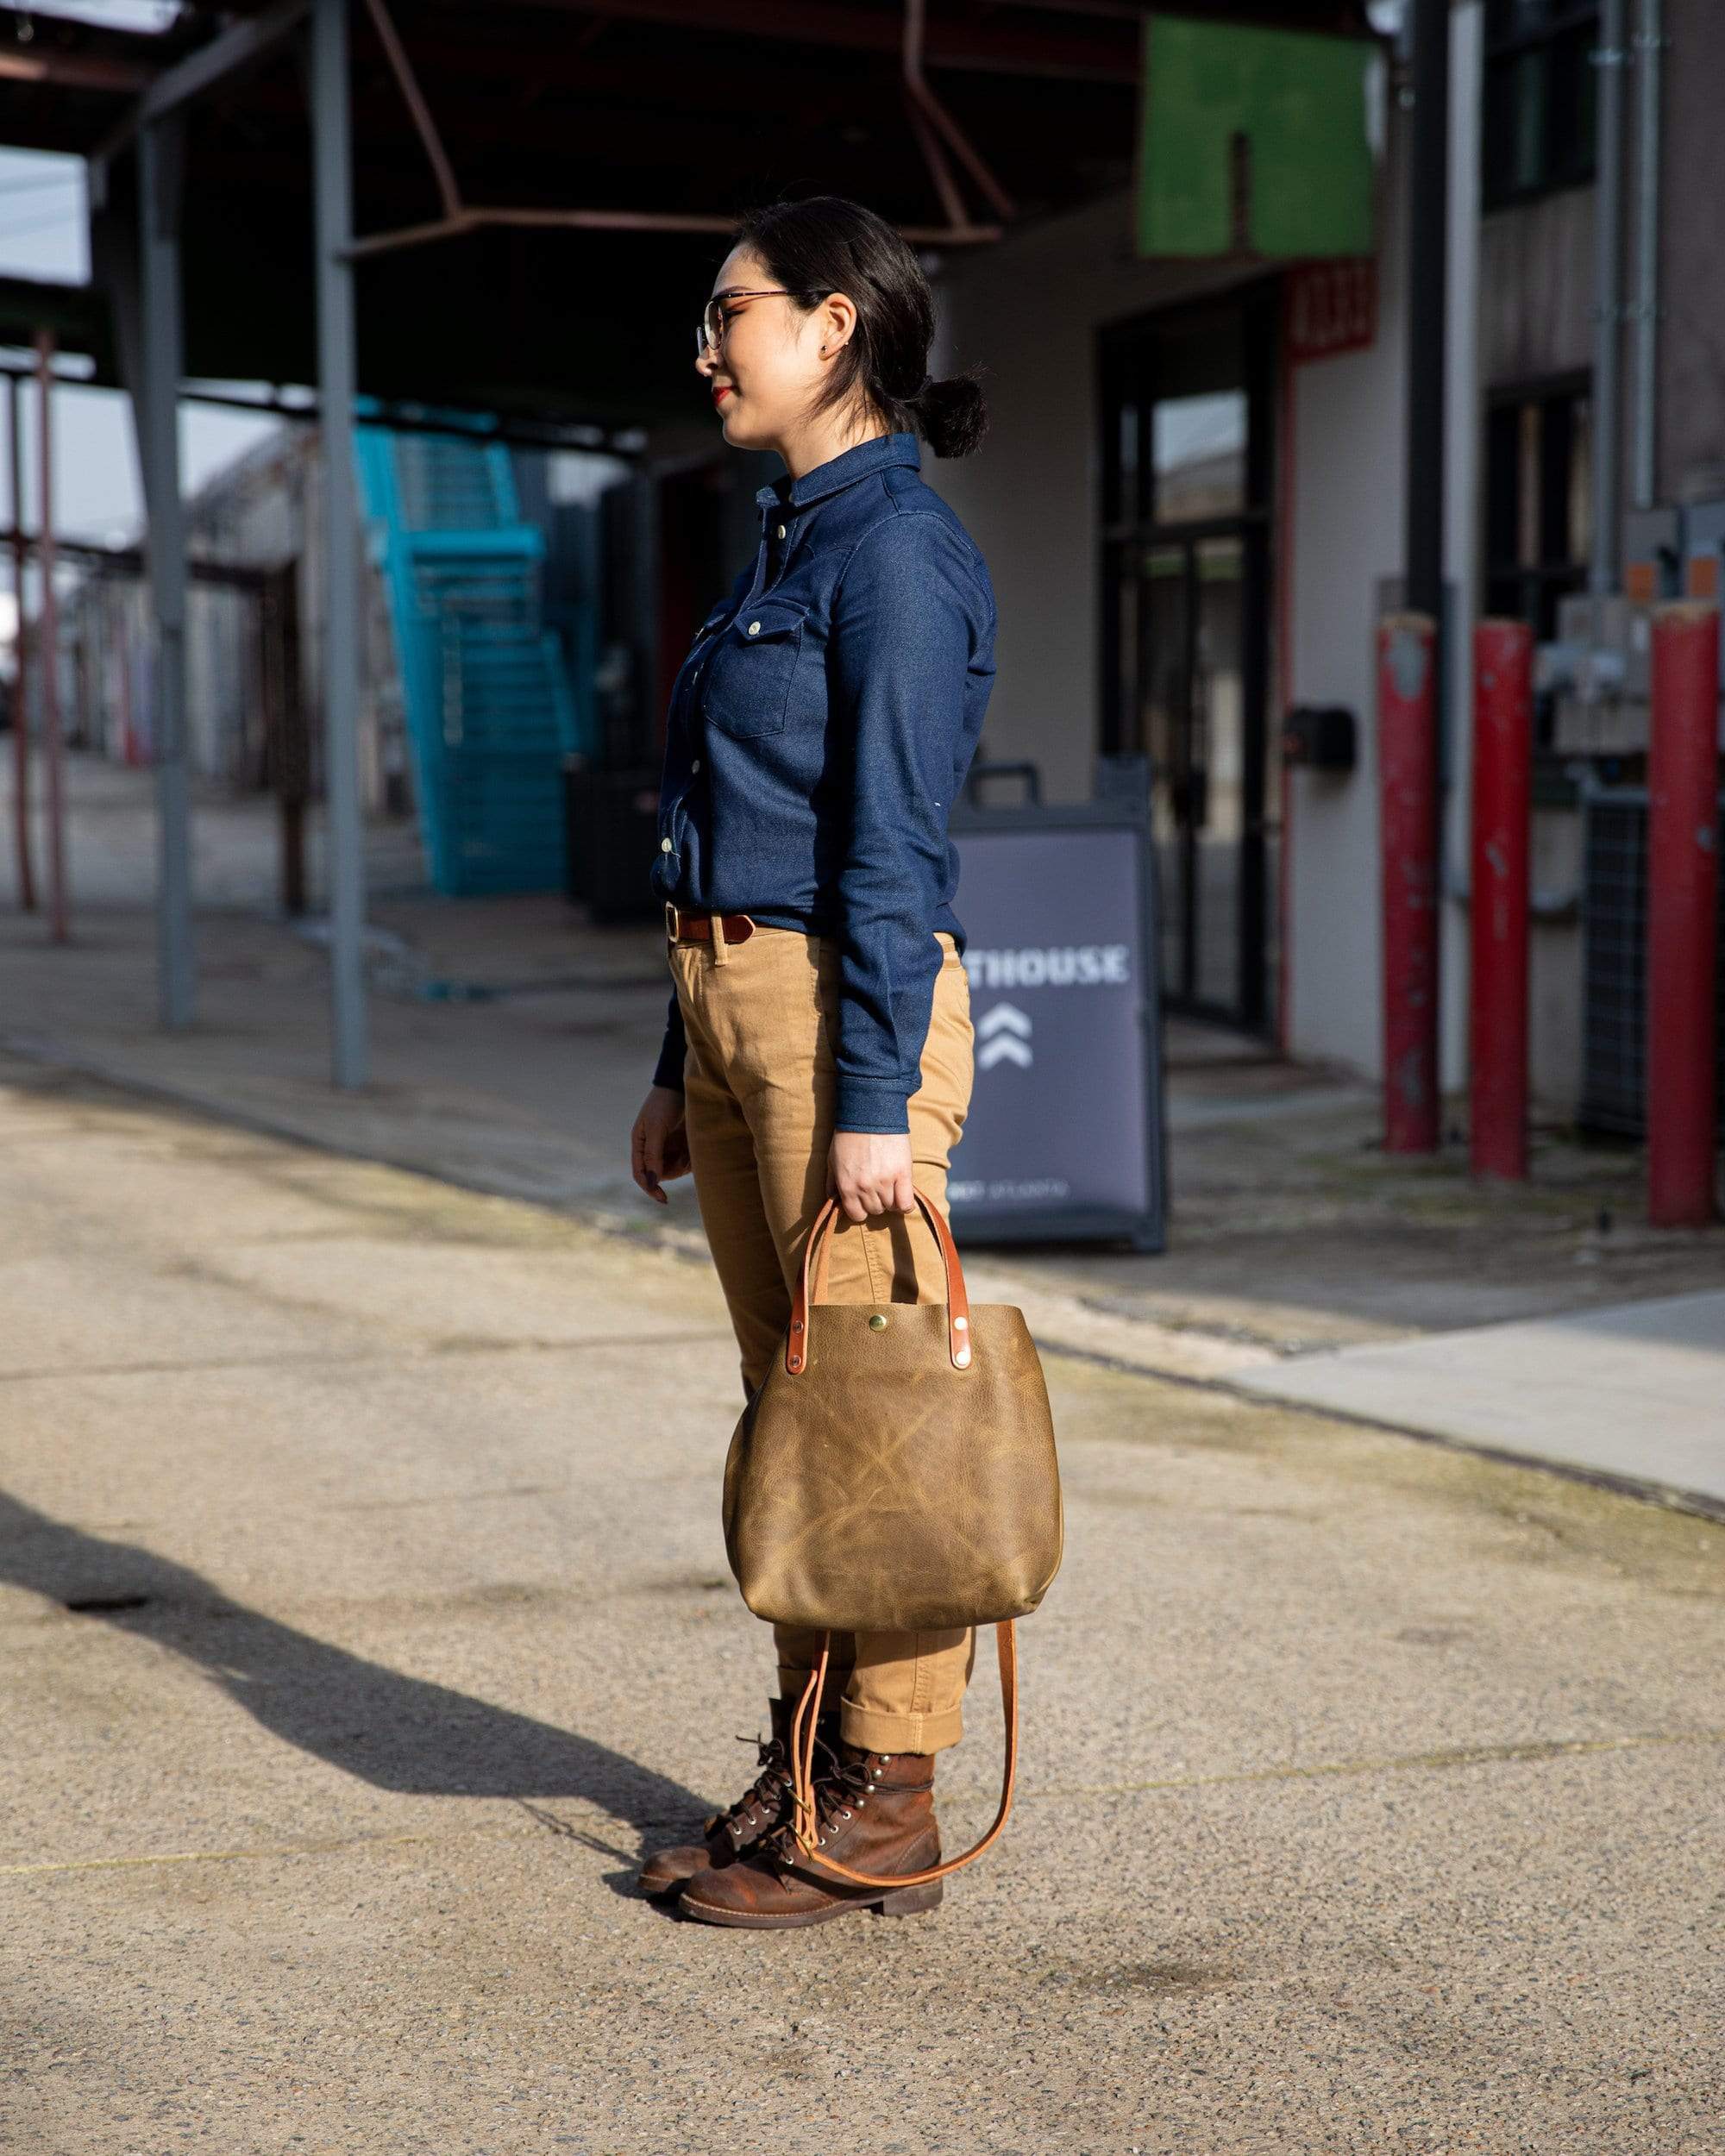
[490,711]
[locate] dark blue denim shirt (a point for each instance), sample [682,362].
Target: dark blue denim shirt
[818,732]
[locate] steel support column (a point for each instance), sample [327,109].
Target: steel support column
[333,191]
[160,152]
[48,650]
[20,689]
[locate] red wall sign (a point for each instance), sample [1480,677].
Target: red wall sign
[1332,307]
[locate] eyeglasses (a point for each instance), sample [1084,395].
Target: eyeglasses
[716,319]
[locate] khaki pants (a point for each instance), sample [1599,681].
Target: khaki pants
[761,1018]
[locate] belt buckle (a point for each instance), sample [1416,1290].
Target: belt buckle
[673,927]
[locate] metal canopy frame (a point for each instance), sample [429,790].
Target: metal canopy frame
[930,122]
[1029,50]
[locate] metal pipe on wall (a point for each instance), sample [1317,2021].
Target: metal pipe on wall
[1649,48]
[333,206]
[1607,299]
[1427,303]
[1411,725]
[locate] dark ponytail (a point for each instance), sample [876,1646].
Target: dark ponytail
[831,244]
[952,415]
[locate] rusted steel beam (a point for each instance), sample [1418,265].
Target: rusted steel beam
[61,70]
[1105,50]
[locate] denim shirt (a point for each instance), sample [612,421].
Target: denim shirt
[819,731]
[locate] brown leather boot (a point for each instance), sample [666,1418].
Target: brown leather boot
[762,1806]
[875,1813]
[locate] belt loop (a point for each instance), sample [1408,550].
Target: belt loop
[721,952]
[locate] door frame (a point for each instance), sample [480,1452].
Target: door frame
[1124,355]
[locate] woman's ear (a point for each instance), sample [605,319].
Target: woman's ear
[839,320]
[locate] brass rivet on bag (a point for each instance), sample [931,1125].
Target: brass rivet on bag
[962,1355]
[877,1323]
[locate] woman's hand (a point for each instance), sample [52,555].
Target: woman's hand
[870,1170]
[659,1145]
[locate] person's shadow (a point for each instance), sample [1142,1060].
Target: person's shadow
[398,1732]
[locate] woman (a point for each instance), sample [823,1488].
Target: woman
[819,1038]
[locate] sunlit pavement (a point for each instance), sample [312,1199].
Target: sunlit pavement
[366,1613]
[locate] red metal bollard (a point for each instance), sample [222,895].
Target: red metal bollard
[1407,760]
[1683,916]
[1497,988]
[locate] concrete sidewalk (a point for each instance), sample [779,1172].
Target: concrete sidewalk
[1635,1392]
[366,1613]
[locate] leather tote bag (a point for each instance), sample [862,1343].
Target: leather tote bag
[895,1470]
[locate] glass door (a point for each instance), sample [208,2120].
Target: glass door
[1185,581]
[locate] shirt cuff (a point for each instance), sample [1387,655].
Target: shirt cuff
[670,1066]
[872,1104]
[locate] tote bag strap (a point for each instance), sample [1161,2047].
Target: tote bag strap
[805,1822]
[815,1249]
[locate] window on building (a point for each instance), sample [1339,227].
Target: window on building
[1538,483]
[1538,131]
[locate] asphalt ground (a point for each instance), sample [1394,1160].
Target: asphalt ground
[365,1615]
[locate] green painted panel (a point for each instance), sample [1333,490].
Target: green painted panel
[1252,140]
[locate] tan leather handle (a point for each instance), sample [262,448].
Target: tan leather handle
[804,1818]
[818,1243]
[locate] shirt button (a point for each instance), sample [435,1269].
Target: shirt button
[754,628]
[696,765]
[664,845]
[781,531]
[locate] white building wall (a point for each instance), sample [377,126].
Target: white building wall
[1028,312]
[1346,466]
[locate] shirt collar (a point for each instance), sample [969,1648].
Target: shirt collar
[843,470]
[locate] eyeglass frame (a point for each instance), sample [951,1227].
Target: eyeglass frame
[705,342]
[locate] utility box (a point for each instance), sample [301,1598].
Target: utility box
[1653,557]
[1703,550]
[1597,669]
[1321,736]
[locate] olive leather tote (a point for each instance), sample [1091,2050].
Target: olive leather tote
[895,1471]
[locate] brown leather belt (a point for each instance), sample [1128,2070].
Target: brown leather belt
[682,927]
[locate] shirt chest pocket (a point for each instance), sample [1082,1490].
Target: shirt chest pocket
[751,669]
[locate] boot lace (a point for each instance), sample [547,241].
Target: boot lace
[768,1794]
[842,1786]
